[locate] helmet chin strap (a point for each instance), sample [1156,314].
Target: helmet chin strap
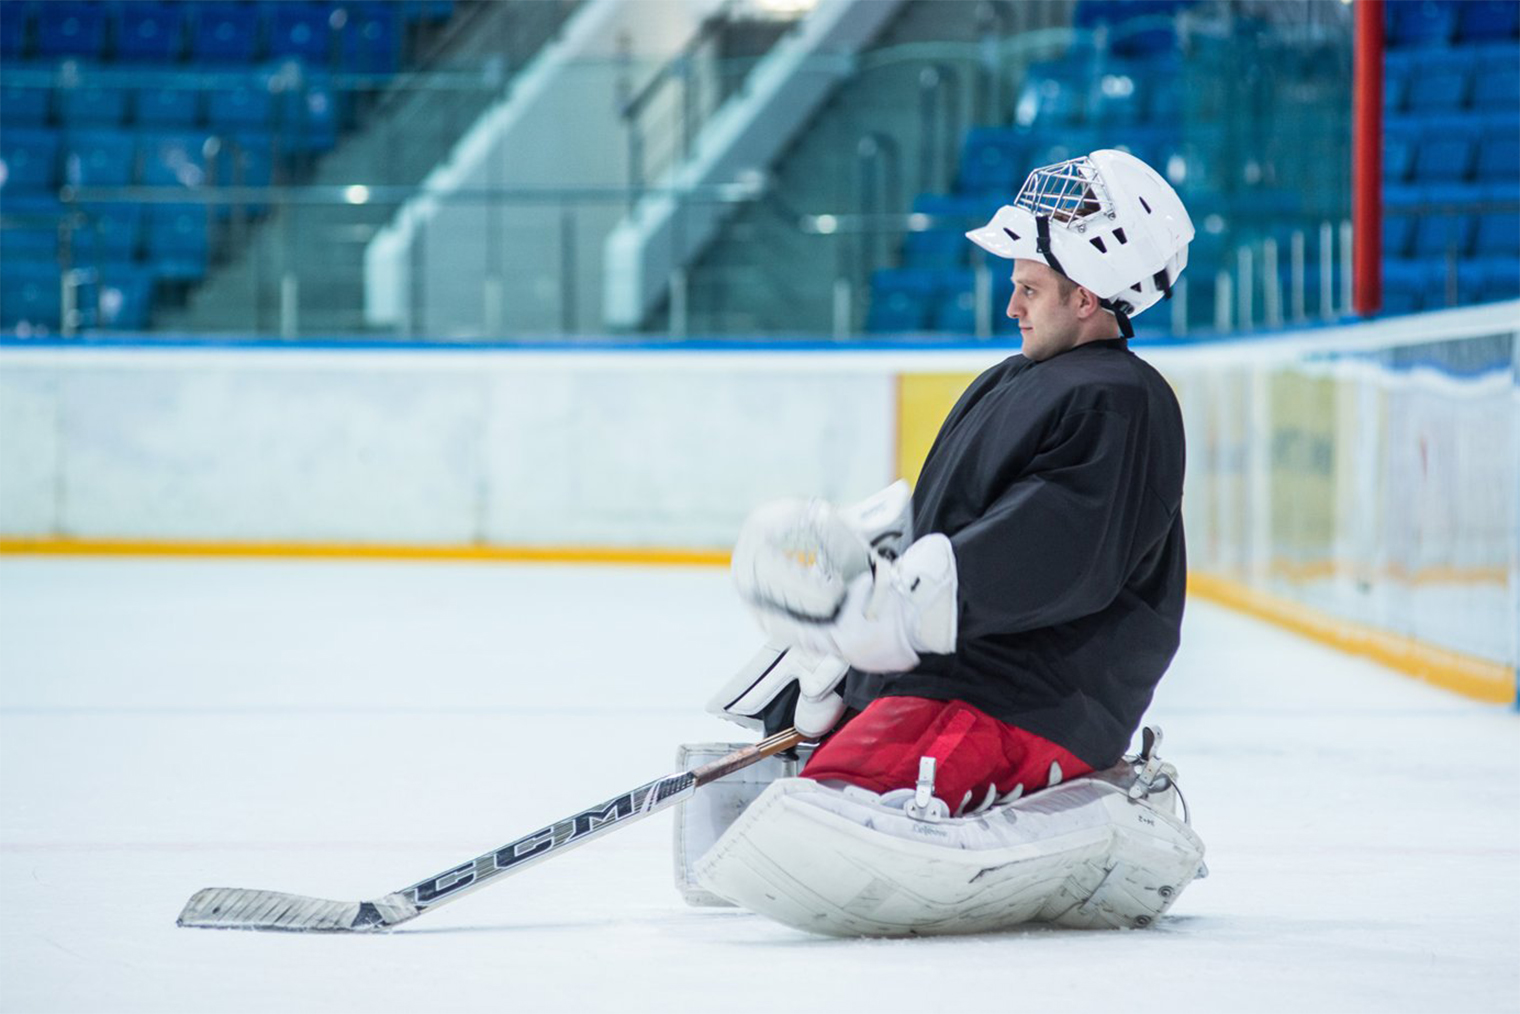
[1042,244]
[1126,329]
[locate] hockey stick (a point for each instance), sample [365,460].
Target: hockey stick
[238,908]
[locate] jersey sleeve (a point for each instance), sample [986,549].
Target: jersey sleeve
[1059,543]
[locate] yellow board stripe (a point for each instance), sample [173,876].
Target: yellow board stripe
[1473,677]
[632,555]
[1466,674]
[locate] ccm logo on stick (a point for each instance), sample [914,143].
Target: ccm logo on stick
[456,879]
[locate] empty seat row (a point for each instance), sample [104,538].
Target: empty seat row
[1134,26]
[357,36]
[1452,148]
[905,300]
[1442,230]
[42,160]
[117,297]
[1485,77]
[265,98]
[35,230]
[1411,23]
[1117,92]
[1412,285]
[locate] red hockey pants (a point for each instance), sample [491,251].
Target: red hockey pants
[879,749]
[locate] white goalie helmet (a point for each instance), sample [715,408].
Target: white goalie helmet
[1107,221]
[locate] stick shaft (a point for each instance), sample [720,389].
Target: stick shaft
[589,824]
[235,908]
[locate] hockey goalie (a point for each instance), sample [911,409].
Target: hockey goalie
[974,659]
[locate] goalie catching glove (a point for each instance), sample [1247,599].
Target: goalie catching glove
[839,582]
[783,687]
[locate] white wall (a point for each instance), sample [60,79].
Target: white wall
[1317,471]
[447,447]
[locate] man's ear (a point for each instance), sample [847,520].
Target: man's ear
[1087,302]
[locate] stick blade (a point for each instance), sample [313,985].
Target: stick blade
[237,908]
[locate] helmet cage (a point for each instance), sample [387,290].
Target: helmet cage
[1068,192]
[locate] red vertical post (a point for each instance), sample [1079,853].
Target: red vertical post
[1367,159]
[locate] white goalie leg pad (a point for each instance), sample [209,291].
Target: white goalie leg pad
[844,862]
[703,818]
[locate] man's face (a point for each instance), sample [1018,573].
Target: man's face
[1045,305]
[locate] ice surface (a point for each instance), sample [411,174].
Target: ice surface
[344,729]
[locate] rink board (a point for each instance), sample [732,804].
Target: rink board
[1366,472]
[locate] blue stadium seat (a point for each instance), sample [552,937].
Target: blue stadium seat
[1154,34]
[225,33]
[955,312]
[15,25]
[935,248]
[92,105]
[302,30]
[1471,276]
[245,103]
[1165,105]
[29,229]
[370,41]
[247,159]
[1395,92]
[30,294]
[178,241]
[311,119]
[1437,274]
[1498,234]
[1442,80]
[992,160]
[101,158]
[1404,285]
[23,105]
[1443,235]
[1116,96]
[1419,22]
[173,158]
[1447,152]
[901,300]
[71,29]
[1052,97]
[1487,20]
[123,298]
[959,211]
[1398,232]
[108,233]
[1499,150]
[1501,278]
[148,32]
[1398,69]
[1399,145]
[168,105]
[29,156]
[1496,82]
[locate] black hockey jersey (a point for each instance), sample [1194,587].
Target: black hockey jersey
[1059,484]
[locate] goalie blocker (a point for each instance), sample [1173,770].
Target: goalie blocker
[1104,851]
